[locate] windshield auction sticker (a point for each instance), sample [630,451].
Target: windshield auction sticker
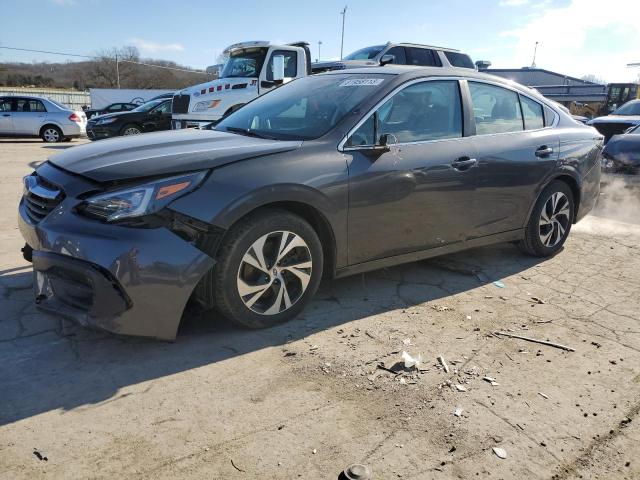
[356,82]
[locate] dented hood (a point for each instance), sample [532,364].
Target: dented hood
[162,153]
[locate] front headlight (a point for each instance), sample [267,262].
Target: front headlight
[141,200]
[105,121]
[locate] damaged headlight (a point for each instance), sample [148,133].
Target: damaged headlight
[140,200]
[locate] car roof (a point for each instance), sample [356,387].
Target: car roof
[420,45]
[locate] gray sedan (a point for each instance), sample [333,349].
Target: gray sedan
[329,175]
[31,116]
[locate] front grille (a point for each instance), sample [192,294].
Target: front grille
[40,197]
[180,104]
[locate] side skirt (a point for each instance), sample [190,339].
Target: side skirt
[503,237]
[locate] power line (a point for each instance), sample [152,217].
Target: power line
[95,57]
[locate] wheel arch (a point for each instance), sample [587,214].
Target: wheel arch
[313,216]
[49,123]
[571,179]
[135,124]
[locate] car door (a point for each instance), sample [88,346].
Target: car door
[29,116]
[514,151]
[6,122]
[159,118]
[419,194]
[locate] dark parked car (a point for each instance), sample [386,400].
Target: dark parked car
[622,153]
[150,117]
[398,54]
[621,119]
[331,174]
[113,108]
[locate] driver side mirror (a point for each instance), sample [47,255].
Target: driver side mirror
[387,58]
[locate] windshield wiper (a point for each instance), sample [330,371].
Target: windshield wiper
[248,133]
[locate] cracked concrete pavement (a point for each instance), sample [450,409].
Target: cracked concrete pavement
[305,399]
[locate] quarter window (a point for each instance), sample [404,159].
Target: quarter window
[423,111]
[496,109]
[532,113]
[5,105]
[290,64]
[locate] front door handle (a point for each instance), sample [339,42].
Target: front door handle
[463,163]
[6,114]
[544,151]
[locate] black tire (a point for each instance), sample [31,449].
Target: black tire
[236,244]
[130,127]
[51,134]
[533,244]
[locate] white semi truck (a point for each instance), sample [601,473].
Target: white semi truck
[252,69]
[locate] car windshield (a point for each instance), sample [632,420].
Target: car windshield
[145,107]
[629,108]
[303,109]
[246,62]
[366,53]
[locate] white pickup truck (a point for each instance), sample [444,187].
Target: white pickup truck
[252,69]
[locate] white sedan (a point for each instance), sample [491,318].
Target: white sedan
[32,116]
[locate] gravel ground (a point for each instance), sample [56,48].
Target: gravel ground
[305,399]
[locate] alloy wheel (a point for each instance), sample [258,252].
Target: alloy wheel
[132,131]
[274,273]
[554,219]
[51,135]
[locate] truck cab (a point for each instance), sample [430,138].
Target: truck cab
[252,69]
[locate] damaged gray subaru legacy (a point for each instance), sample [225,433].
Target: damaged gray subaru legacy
[328,175]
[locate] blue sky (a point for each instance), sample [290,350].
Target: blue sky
[577,37]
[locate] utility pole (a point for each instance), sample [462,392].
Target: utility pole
[319,45]
[344,14]
[117,70]
[535,50]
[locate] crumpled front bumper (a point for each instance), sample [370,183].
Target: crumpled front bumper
[131,281]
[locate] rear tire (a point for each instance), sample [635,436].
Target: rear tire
[550,221]
[51,134]
[131,129]
[269,267]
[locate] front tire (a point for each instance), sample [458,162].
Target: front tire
[51,134]
[550,221]
[269,267]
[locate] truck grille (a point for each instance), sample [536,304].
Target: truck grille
[180,104]
[40,197]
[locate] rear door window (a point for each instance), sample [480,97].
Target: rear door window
[458,59]
[496,109]
[532,113]
[398,53]
[423,57]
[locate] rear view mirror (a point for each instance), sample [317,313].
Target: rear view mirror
[278,67]
[387,58]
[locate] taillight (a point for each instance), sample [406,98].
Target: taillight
[75,118]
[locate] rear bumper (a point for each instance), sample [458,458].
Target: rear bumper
[73,130]
[131,281]
[590,191]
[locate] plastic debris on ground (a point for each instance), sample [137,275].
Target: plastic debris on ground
[458,411]
[499,284]
[411,362]
[500,452]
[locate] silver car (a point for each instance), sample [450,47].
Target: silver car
[32,116]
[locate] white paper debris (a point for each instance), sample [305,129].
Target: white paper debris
[500,452]
[458,411]
[410,362]
[461,388]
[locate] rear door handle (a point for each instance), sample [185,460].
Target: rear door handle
[463,163]
[544,151]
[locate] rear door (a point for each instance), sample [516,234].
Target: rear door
[30,114]
[6,122]
[516,149]
[419,194]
